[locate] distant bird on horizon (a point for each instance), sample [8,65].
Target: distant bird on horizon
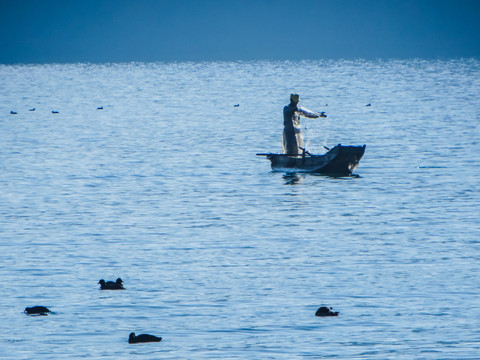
[13,112]
[142,338]
[110,285]
[36,310]
[326,311]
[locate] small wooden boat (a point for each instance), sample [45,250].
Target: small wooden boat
[340,160]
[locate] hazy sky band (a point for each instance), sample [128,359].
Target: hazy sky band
[188,30]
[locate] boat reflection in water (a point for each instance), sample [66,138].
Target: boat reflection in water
[292,178]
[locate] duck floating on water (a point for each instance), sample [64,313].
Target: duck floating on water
[110,285]
[326,311]
[36,310]
[142,338]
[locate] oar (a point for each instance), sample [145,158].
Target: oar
[273,154]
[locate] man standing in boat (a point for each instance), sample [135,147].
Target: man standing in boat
[292,135]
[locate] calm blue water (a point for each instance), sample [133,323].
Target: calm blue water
[220,256]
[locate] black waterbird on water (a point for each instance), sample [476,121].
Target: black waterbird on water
[110,285]
[326,311]
[36,310]
[142,338]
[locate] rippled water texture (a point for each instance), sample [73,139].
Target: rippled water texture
[220,256]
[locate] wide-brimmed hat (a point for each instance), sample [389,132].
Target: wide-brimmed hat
[295,98]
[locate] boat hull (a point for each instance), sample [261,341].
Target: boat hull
[340,160]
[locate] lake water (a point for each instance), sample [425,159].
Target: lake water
[220,256]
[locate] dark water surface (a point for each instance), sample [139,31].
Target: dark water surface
[220,256]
